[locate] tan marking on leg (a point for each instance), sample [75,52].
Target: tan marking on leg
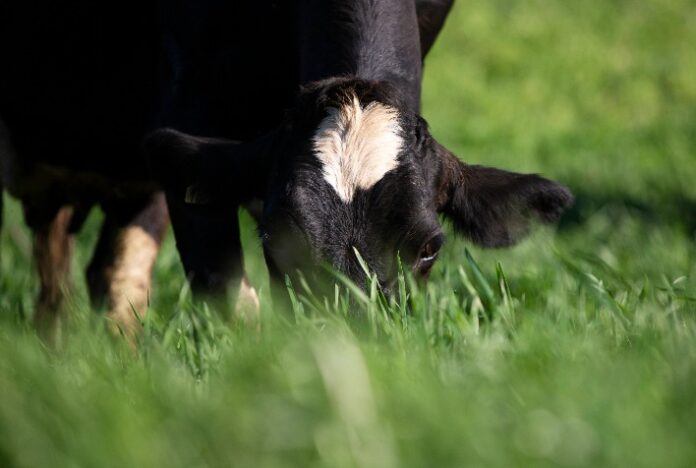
[129,276]
[248,307]
[53,247]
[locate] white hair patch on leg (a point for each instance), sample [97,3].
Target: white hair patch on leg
[358,145]
[130,279]
[248,307]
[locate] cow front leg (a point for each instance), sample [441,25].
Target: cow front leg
[247,307]
[53,248]
[120,273]
[208,240]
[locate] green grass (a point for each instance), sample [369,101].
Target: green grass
[577,348]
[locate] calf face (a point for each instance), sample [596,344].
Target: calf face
[351,174]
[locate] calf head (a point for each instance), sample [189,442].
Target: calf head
[352,173]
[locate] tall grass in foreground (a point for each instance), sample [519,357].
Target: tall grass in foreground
[589,368]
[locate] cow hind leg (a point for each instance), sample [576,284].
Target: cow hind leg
[53,247]
[120,273]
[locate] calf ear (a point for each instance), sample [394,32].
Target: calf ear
[496,208]
[206,170]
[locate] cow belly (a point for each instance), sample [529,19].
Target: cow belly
[71,187]
[104,146]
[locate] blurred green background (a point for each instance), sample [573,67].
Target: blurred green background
[576,348]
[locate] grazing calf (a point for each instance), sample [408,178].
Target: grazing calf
[83,82]
[352,168]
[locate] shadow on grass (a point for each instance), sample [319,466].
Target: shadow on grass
[673,209]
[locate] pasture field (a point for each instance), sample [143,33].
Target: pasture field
[576,348]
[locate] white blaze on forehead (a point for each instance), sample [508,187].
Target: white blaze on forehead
[357,145]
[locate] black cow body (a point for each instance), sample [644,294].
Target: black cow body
[314,40]
[82,82]
[352,170]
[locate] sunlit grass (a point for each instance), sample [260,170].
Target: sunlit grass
[576,348]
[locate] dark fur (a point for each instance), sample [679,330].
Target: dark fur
[372,50]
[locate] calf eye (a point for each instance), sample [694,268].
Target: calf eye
[428,253]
